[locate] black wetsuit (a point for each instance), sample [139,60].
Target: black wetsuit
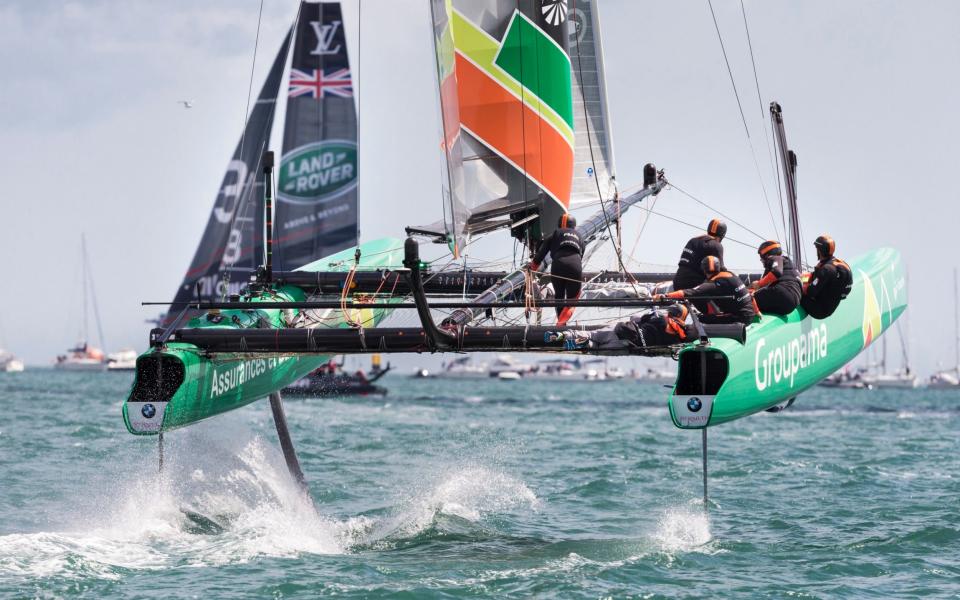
[830,282]
[688,271]
[738,309]
[566,252]
[782,294]
[653,329]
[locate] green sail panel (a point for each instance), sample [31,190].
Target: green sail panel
[539,64]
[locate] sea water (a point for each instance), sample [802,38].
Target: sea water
[479,489]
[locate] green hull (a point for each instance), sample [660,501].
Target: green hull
[179,384]
[783,356]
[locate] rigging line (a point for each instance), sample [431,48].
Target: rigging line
[253,64]
[242,201]
[763,116]
[701,202]
[642,228]
[743,117]
[593,162]
[756,80]
[697,227]
[729,70]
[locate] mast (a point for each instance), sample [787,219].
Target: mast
[592,227]
[789,160]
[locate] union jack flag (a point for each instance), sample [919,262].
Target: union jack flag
[318,84]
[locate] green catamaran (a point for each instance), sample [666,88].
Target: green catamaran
[525,138]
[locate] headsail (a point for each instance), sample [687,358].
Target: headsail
[515,108]
[317,179]
[230,248]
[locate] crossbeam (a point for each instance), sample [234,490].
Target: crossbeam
[387,340]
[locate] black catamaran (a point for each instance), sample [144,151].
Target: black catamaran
[525,138]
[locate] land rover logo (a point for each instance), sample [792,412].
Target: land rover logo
[318,171]
[694,404]
[148,411]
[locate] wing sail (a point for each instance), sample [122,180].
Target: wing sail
[317,179]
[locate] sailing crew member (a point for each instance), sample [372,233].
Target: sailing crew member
[737,307]
[830,282]
[778,291]
[654,329]
[689,273]
[565,247]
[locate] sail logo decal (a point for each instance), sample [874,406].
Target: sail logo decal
[554,11]
[318,171]
[316,83]
[784,362]
[237,375]
[872,315]
[325,34]
[515,97]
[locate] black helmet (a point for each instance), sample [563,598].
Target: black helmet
[711,265]
[769,248]
[825,246]
[717,228]
[567,220]
[678,311]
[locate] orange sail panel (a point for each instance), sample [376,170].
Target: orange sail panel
[492,114]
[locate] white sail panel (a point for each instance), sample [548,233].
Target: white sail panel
[594,175]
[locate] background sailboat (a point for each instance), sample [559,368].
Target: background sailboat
[951,377]
[84,356]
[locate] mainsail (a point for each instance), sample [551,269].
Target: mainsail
[317,179]
[526,129]
[230,248]
[515,110]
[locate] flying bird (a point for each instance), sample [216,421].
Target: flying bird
[186,103]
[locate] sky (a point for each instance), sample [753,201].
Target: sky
[95,141]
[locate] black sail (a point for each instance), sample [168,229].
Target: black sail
[317,177]
[231,246]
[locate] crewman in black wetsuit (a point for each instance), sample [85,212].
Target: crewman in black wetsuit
[688,271]
[778,291]
[566,269]
[654,329]
[738,308]
[830,282]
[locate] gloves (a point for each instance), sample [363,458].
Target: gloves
[533,266]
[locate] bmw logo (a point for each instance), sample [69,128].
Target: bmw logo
[693,404]
[148,411]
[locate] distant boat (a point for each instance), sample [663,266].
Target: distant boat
[849,378]
[903,378]
[124,360]
[9,363]
[951,377]
[332,380]
[83,356]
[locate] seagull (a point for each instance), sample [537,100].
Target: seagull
[186,103]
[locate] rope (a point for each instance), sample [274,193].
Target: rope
[743,117]
[596,179]
[702,203]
